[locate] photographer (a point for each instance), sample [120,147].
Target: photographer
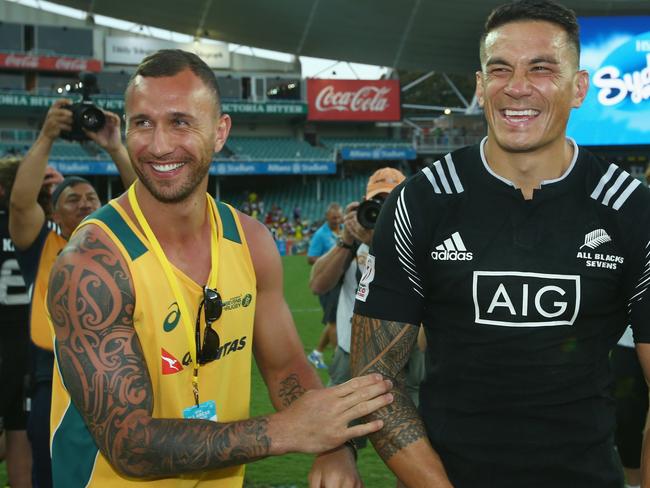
[38,238]
[346,262]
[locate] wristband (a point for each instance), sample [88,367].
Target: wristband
[340,243]
[352,445]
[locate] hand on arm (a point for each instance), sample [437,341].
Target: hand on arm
[380,346]
[91,302]
[109,138]
[311,418]
[26,217]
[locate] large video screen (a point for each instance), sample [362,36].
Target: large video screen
[616,53]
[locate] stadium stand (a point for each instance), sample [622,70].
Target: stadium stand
[336,142]
[304,195]
[266,99]
[274,148]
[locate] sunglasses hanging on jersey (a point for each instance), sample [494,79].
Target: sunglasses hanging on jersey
[212,306]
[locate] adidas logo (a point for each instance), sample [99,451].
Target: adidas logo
[452,249]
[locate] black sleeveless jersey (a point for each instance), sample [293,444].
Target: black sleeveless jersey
[521,302]
[14,299]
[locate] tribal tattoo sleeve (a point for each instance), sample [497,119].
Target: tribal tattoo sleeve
[91,302]
[384,347]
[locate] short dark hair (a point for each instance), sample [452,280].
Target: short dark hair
[68,181]
[544,10]
[8,168]
[170,62]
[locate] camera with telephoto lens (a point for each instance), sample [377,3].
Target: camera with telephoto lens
[368,211]
[85,115]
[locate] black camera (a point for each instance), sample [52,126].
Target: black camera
[368,211]
[85,115]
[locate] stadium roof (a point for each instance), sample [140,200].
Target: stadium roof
[417,35]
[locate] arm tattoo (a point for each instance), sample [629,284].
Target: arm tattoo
[91,302]
[381,346]
[290,390]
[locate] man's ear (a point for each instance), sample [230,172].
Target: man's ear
[479,88]
[581,86]
[221,132]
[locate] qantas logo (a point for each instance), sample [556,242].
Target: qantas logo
[452,249]
[170,365]
[228,348]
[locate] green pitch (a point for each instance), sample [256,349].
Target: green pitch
[291,471]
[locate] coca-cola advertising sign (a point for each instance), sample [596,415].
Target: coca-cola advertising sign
[49,63]
[354,100]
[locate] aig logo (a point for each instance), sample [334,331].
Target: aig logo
[519,299]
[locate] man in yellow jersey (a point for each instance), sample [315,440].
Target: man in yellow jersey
[159,302]
[39,225]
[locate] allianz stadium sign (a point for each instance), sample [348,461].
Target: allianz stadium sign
[218,168]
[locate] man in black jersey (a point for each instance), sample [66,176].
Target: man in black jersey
[14,344]
[524,257]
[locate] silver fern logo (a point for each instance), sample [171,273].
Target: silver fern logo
[596,238]
[594,259]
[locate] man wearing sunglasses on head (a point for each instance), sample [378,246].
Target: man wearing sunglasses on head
[158,304]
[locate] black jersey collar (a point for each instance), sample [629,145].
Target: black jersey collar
[545,185]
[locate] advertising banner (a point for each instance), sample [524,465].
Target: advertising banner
[132,49]
[270,108]
[377,153]
[49,63]
[353,100]
[222,168]
[616,53]
[116,104]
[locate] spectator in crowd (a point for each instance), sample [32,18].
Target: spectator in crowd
[344,264]
[525,257]
[14,336]
[321,242]
[631,394]
[38,240]
[118,307]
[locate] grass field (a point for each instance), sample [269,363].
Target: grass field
[291,471]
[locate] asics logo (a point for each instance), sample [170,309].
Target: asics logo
[452,249]
[173,318]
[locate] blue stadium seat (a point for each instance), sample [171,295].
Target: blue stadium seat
[275,148]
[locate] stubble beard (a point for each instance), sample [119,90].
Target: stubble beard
[176,192]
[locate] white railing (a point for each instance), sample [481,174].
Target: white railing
[430,144]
